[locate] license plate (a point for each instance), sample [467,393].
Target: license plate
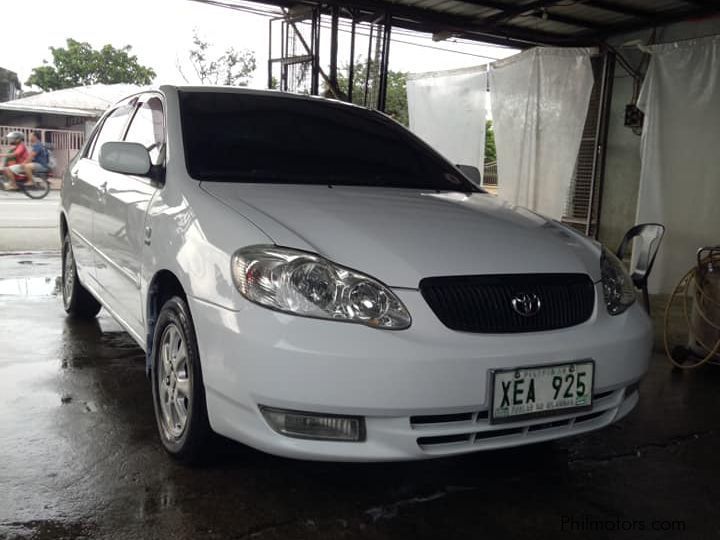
[541,391]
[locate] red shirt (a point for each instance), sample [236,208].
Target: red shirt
[20,153]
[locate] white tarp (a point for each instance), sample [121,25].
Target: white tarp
[539,103]
[680,173]
[447,110]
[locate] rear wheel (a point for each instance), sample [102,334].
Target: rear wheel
[178,389]
[39,189]
[77,301]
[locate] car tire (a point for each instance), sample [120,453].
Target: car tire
[77,300]
[177,385]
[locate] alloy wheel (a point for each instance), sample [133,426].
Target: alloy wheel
[174,382]
[68,275]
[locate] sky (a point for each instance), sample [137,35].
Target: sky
[160,33]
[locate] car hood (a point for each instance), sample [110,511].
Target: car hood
[400,236]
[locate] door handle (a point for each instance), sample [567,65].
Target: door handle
[103,187]
[73,176]
[148,234]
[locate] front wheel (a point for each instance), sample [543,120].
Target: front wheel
[177,384]
[39,189]
[77,301]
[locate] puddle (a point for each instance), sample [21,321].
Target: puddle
[30,286]
[34,263]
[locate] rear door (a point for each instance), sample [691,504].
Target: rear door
[120,221]
[85,193]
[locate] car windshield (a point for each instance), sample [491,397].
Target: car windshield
[243,137]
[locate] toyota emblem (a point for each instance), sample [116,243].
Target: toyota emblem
[526,304]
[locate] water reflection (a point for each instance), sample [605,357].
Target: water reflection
[30,286]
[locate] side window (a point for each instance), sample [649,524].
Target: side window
[148,129]
[91,142]
[111,130]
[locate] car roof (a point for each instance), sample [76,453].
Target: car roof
[247,91]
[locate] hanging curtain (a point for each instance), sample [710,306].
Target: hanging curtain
[539,102]
[447,111]
[680,171]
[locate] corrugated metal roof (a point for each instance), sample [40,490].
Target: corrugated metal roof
[90,101]
[522,23]
[562,18]
[64,111]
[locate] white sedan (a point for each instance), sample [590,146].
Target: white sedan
[310,279]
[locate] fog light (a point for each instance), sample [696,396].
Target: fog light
[304,425]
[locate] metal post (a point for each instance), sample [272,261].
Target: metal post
[334,45]
[351,67]
[367,66]
[384,63]
[284,37]
[269,64]
[598,173]
[315,48]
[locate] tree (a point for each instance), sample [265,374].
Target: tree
[490,153]
[232,68]
[396,98]
[78,64]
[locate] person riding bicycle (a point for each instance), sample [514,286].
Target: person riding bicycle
[38,161]
[14,159]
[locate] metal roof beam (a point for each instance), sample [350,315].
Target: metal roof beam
[539,13]
[513,10]
[426,20]
[708,3]
[432,21]
[493,38]
[567,19]
[490,4]
[616,7]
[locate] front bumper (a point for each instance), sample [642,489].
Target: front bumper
[254,356]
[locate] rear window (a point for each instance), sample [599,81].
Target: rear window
[236,137]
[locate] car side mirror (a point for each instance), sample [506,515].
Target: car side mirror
[472,173]
[125,158]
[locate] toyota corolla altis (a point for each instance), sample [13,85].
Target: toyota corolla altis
[310,279]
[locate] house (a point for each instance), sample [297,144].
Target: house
[10,87]
[64,117]
[71,108]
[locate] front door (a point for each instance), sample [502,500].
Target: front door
[86,194]
[120,221]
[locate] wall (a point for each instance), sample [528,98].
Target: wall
[622,172]
[622,167]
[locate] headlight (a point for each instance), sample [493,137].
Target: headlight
[305,284]
[618,287]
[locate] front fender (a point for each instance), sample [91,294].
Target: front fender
[193,236]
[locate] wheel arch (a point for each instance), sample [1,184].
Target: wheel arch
[163,286]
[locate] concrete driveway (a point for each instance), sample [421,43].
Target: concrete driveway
[80,458]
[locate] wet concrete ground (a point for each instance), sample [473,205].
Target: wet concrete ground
[79,457]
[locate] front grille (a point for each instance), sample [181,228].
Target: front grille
[485,303]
